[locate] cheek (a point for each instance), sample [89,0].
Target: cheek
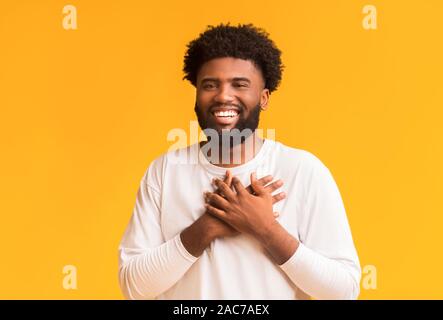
[204,98]
[250,100]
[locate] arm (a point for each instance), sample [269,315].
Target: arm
[317,275]
[326,264]
[330,269]
[148,265]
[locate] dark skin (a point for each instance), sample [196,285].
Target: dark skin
[232,82]
[197,237]
[232,209]
[252,214]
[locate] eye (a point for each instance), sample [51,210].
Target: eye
[208,86]
[240,85]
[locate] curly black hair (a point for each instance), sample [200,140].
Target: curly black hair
[244,41]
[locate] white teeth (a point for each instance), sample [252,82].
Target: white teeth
[230,113]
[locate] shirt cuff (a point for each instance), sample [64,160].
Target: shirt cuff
[181,248]
[294,261]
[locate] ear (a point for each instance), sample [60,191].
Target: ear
[264,99]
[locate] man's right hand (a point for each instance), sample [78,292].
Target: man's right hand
[198,236]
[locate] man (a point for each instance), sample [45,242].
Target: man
[197,231]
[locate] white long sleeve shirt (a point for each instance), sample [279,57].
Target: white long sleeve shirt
[154,264]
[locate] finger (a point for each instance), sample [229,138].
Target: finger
[228,179]
[215,212]
[224,190]
[274,186]
[238,186]
[278,197]
[216,200]
[258,189]
[263,181]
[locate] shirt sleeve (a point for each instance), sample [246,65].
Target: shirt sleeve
[326,264]
[148,265]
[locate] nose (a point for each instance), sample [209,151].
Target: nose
[224,95]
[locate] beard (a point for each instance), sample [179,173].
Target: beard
[228,138]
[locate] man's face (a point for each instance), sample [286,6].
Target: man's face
[230,94]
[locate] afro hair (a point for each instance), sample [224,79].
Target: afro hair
[244,41]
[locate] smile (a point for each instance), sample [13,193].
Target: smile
[225,117]
[225,114]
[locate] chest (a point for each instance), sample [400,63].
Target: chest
[182,200]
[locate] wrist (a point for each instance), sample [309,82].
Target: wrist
[196,238]
[206,230]
[278,242]
[267,231]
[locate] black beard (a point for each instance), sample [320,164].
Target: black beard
[246,125]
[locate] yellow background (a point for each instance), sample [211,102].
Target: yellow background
[84,112]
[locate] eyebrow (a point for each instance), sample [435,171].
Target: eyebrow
[232,79]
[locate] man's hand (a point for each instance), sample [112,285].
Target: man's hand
[198,236]
[245,212]
[216,227]
[221,228]
[252,214]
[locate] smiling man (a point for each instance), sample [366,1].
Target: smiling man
[252,218]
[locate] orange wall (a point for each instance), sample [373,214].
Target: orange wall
[83,112]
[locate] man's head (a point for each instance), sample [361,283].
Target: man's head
[234,70]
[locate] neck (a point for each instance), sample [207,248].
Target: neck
[238,154]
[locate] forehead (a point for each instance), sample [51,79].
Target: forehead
[228,68]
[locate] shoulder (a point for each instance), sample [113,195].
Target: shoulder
[297,157]
[157,168]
